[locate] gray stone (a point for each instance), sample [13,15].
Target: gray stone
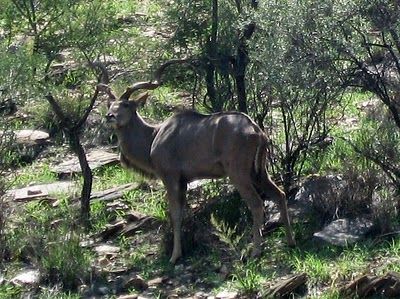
[227,295]
[318,187]
[319,196]
[197,184]
[29,137]
[145,296]
[134,281]
[342,232]
[156,281]
[42,191]
[200,295]
[105,249]
[131,296]
[96,158]
[27,277]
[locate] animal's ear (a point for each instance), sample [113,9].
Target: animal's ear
[140,100]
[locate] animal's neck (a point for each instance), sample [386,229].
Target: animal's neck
[135,142]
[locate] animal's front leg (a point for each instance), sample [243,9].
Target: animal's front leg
[175,200]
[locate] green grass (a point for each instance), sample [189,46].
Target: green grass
[319,270]
[52,247]
[331,293]
[112,176]
[99,216]
[151,203]
[143,259]
[52,294]
[64,260]
[8,291]
[336,157]
[248,278]
[37,173]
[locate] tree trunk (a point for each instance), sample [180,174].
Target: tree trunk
[211,51]
[240,66]
[216,105]
[77,148]
[240,80]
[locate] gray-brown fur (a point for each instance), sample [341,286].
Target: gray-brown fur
[190,146]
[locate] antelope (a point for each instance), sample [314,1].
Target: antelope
[190,146]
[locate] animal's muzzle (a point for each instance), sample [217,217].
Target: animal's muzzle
[109,117]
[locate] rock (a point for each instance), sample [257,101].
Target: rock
[134,281]
[200,295]
[318,189]
[227,295]
[41,191]
[105,249]
[134,216]
[342,232]
[103,262]
[287,286]
[27,277]
[116,206]
[156,281]
[107,195]
[324,198]
[97,289]
[197,184]
[29,137]
[387,286]
[113,193]
[103,290]
[96,158]
[111,231]
[27,144]
[146,223]
[132,296]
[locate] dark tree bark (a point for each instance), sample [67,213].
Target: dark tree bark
[240,65]
[216,105]
[73,130]
[211,52]
[78,150]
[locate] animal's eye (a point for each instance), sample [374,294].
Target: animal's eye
[125,104]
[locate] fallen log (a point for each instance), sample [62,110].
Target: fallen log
[288,286]
[368,285]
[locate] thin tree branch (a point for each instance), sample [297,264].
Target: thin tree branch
[58,111]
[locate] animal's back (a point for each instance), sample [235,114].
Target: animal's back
[196,145]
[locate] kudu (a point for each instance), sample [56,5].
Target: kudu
[190,146]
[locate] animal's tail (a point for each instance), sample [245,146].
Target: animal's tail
[260,159]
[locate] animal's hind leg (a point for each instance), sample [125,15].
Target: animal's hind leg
[255,205]
[176,193]
[270,189]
